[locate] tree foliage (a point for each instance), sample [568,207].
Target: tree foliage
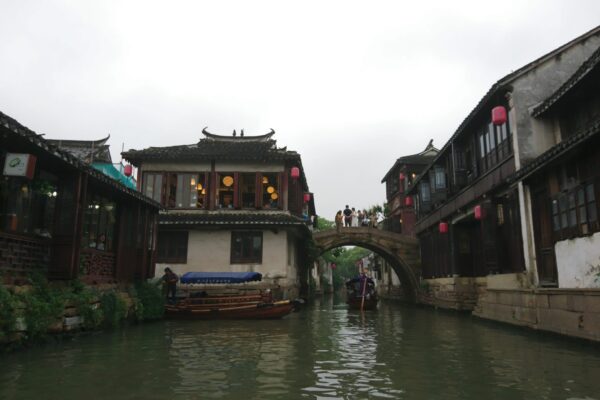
[345,259]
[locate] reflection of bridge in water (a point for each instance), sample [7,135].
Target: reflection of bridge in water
[400,251]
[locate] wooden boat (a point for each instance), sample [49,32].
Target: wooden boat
[361,293]
[230,310]
[201,305]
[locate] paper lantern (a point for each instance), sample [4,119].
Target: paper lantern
[274,196]
[402,176]
[306,197]
[478,212]
[498,115]
[265,180]
[295,172]
[270,189]
[408,201]
[128,170]
[199,186]
[443,227]
[228,181]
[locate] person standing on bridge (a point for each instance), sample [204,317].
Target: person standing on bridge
[339,220]
[347,217]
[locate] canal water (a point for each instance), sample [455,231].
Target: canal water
[324,351]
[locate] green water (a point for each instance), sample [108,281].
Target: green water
[322,352]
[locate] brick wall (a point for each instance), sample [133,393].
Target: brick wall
[96,266]
[20,256]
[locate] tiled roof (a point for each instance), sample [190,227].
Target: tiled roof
[589,65]
[238,148]
[227,217]
[37,140]
[86,150]
[556,151]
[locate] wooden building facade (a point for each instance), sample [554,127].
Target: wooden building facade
[61,217]
[232,204]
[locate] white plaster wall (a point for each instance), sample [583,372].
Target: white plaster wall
[210,252]
[578,262]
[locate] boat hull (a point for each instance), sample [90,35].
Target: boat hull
[356,303]
[259,310]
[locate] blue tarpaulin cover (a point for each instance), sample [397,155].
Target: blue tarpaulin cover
[220,277]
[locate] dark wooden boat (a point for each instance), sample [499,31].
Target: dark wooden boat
[230,310]
[201,305]
[361,293]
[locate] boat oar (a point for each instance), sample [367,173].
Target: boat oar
[362,302]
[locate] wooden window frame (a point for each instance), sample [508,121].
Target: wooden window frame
[162,254]
[247,254]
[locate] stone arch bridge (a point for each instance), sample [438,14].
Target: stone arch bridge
[400,251]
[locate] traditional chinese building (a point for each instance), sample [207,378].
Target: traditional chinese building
[64,218]
[398,180]
[232,203]
[472,216]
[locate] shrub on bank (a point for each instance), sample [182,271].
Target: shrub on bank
[35,310]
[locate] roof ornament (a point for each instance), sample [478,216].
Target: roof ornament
[234,133]
[242,133]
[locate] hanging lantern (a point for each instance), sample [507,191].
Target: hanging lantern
[478,212]
[270,189]
[199,186]
[402,176]
[295,172]
[193,182]
[274,196]
[265,180]
[128,170]
[306,197]
[498,115]
[443,227]
[203,191]
[408,201]
[228,181]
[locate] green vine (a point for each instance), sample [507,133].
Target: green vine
[85,301]
[151,301]
[8,316]
[43,306]
[113,308]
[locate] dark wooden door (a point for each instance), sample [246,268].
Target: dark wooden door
[544,244]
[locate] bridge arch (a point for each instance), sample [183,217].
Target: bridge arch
[400,251]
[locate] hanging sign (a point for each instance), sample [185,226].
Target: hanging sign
[19,164]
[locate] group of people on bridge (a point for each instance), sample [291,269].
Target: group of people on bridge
[349,217]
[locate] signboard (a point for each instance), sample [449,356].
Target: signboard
[19,164]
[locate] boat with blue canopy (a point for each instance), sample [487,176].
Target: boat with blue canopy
[202,305]
[220,277]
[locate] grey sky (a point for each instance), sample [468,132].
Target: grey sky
[350,85]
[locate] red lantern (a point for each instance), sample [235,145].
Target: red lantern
[498,115]
[306,197]
[443,227]
[478,212]
[295,172]
[402,176]
[128,170]
[408,201]
[333,266]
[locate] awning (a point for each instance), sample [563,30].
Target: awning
[220,277]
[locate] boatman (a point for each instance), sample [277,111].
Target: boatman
[170,280]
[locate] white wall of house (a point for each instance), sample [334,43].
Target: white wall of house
[578,262]
[211,252]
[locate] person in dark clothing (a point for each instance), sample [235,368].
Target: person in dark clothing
[347,216]
[170,280]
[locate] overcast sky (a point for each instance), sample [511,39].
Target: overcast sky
[350,85]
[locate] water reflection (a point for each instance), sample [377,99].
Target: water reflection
[323,352]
